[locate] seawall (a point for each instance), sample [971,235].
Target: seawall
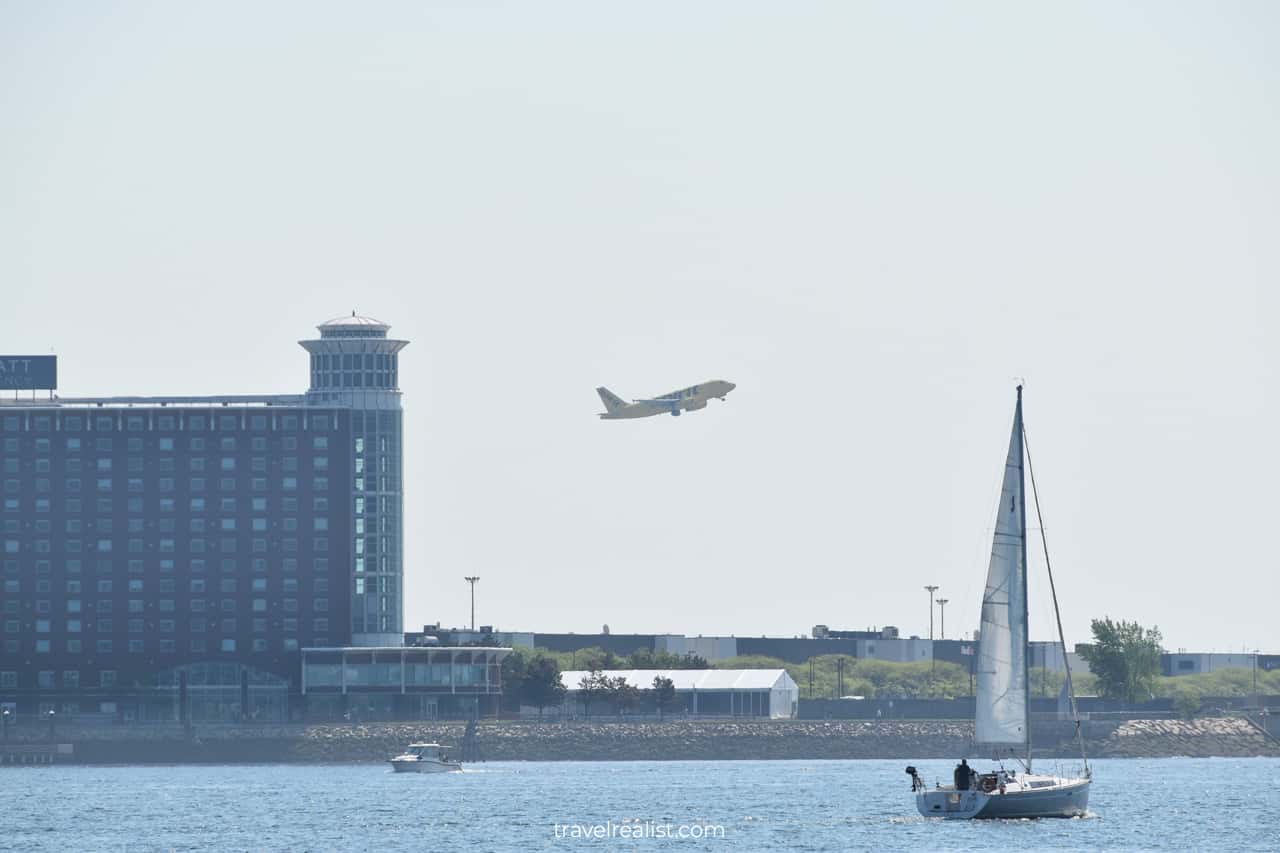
[674,740]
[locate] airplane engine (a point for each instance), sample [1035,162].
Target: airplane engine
[675,413]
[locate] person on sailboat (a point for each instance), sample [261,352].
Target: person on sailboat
[962,775]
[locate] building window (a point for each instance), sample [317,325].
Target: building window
[228,644]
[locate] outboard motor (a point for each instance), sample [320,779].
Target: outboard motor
[916,783]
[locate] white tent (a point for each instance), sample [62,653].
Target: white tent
[713,692]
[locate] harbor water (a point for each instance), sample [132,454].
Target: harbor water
[1175,803]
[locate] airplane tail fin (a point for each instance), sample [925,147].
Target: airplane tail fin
[612,402]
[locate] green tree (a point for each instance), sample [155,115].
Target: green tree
[514,671]
[594,657]
[664,694]
[1186,701]
[649,659]
[624,694]
[594,685]
[542,685]
[1125,658]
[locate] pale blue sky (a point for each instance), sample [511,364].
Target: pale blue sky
[871,216]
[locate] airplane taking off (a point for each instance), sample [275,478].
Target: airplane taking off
[690,399]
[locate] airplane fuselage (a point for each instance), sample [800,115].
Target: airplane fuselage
[685,400]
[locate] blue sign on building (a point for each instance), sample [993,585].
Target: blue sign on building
[29,372]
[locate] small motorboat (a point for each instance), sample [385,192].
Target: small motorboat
[424,758]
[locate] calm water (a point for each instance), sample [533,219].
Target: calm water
[766,805]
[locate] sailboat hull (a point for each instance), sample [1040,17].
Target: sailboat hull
[1059,798]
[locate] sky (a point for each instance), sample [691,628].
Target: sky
[875,218]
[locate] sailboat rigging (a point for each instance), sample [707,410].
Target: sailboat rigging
[1002,709]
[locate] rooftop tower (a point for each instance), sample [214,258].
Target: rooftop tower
[354,364]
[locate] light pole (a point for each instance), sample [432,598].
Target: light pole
[931,589]
[1256,698]
[942,616]
[471,579]
[6,724]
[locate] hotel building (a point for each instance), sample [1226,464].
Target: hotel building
[171,557]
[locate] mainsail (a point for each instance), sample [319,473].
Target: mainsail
[1001,702]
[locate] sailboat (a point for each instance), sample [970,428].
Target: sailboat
[1002,719]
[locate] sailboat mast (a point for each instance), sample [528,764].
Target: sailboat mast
[1026,624]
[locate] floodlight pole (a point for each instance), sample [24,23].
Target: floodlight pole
[471,579]
[931,589]
[942,616]
[1256,698]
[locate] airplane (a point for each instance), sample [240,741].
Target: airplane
[687,399]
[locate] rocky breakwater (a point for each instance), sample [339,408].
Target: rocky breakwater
[1203,738]
[636,741]
[614,740]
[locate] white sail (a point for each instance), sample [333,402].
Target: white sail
[1001,703]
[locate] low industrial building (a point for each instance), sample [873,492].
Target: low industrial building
[1195,663]
[764,693]
[402,682]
